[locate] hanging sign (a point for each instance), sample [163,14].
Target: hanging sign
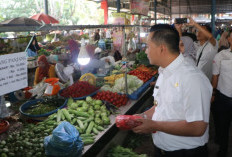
[119,18]
[13,72]
[118,40]
[139,7]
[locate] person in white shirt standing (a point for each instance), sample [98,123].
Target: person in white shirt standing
[182,94]
[207,49]
[222,96]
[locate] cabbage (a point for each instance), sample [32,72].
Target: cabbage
[133,83]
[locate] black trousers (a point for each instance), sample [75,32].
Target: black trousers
[201,151]
[222,116]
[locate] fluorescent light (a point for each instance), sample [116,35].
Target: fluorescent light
[83,61]
[83,57]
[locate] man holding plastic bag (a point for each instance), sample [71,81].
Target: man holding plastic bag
[182,94]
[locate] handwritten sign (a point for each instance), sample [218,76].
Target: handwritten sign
[139,7]
[13,72]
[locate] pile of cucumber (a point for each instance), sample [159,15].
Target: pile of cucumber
[89,117]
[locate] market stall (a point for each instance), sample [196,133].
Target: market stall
[124,87]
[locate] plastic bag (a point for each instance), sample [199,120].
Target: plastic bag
[64,141]
[127,122]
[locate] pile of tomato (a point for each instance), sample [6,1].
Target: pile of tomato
[114,98]
[142,75]
[79,89]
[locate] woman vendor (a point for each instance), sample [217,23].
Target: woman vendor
[44,70]
[33,48]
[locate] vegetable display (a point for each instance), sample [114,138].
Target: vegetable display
[47,105]
[90,117]
[144,76]
[133,83]
[119,151]
[79,89]
[114,98]
[112,78]
[43,52]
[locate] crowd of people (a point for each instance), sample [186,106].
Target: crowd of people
[194,78]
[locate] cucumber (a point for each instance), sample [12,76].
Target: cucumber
[88,141]
[80,124]
[90,127]
[87,135]
[100,128]
[66,114]
[58,115]
[81,118]
[95,131]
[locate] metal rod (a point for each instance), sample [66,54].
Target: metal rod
[118,6]
[213,12]
[155,11]
[46,6]
[61,27]
[170,11]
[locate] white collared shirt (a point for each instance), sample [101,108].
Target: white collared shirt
[205,63]
[222,66]
[183,93]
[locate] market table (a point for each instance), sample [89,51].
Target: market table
[105,136]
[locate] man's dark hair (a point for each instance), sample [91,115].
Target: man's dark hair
[164,33]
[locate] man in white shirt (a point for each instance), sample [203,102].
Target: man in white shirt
[207,49]
[182,96]
[222,106]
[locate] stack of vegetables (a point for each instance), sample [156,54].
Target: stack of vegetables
[112,78]
[90,117]
[143,73]
[46,105]
[44,52]
[114,98]
[133,83]
[119,151]
[79,89]
[30,141]
[144,76]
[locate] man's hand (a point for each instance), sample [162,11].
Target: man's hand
[191,22]
[152,83]
[179,29]
[178,26]
[145,128]
[212,99]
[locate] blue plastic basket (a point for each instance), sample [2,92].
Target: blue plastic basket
[140,90]
[77,98]
[26,105]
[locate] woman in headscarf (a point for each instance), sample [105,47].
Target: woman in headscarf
[187,49]
[45,70]
[223,42]
[33,48]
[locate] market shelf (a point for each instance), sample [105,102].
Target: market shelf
[105,136]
